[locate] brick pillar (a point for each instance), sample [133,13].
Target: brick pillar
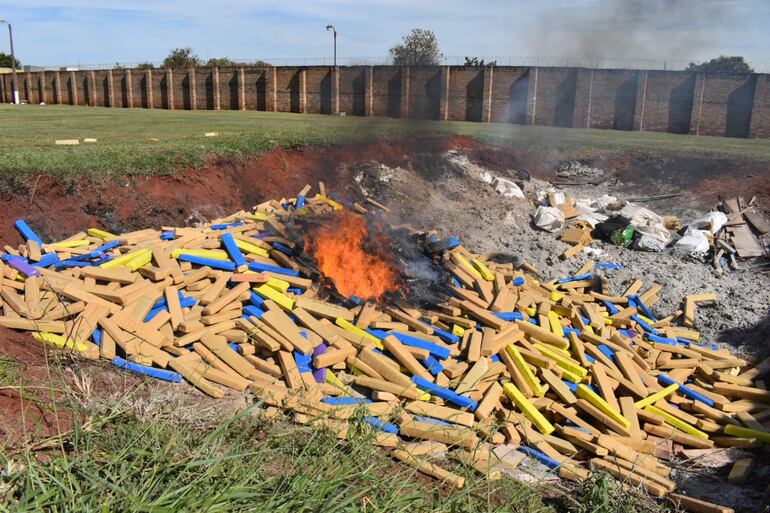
[335,90]
[170,88]
[302,91]
[28,87]
[92,88]
[532,96]
[242,88]
[368,90]
[760,110]
[2,88]
[697,103]
[271,89]
[641,100]
[404,107]
[43,93]
[74,85]
[150,94]
[129,89]
[581,114]
[486,95]
[57,87]
[191,83]
[217,91]
[443,104]
[110,88]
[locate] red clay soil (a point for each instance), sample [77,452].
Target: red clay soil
[57,209]
[27,411]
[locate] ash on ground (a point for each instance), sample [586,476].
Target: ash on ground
[452,194]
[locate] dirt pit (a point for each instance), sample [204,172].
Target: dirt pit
[433,185]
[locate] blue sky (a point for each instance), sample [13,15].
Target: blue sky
[52,32]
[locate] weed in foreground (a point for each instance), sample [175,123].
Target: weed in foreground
[121,463]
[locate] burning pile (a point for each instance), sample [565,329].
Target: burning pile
[355,261]
[508,365]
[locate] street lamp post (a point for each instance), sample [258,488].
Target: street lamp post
[331,27]
[13,62]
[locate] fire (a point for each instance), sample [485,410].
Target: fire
[355,260]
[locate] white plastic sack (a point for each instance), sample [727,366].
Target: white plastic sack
[603,202]
[694,242]
[592,218]
[507,188]
[647,223]
[640,216]
[550,219]
[713,222]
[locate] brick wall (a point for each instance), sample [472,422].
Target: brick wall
[760,114]
[612,99]
[424,92]
[466,86]
[665,101]
[352,83]
[386,91]
[723,104]
[556,88]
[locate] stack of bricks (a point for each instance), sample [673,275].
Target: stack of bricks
[508,366]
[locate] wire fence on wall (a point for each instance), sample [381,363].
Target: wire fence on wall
[567,62]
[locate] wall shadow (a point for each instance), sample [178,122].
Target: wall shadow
[680,103]
[740,102]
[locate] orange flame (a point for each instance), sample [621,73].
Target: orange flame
[340,252]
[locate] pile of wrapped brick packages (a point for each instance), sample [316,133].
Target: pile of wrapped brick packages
[506,365]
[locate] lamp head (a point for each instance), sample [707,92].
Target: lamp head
[329,27]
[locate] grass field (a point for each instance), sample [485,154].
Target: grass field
[119,461]
[158,141]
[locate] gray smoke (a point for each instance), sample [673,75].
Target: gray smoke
[653,29]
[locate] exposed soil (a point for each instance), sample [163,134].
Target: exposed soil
[423,187]
[27,408]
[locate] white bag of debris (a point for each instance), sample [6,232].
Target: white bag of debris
[648,224]
[507,188]
[604,202]
[550,219]
[713,222]
[694,242]
[592,218]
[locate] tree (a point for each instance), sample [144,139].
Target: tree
[5,61]
[722,64]
[181,58]
[475,62]
[418,48]
[145,65]
[220,62]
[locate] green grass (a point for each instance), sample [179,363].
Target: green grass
[8,372]
[124,145]
[148,449]
[242,464]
